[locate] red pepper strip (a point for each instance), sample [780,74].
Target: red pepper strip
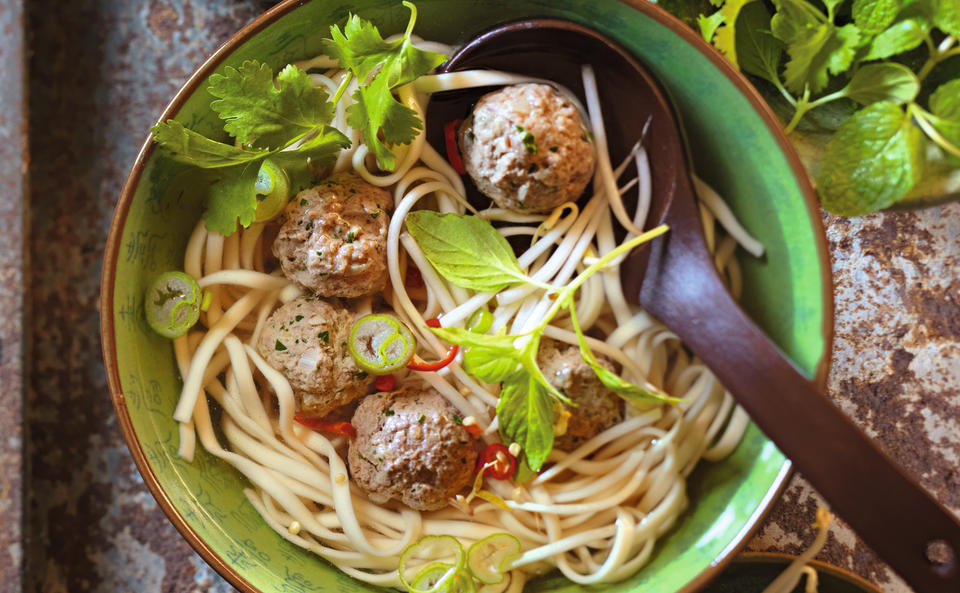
[433,322]
[492,455]
[474,429]
[344,428]
[427,367]
[385,382]
[453,153]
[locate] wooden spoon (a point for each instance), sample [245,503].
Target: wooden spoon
[675,280]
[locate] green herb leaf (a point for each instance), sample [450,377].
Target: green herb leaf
[758,51]
[708,25]
[947,17]
[874,158]
[375,110]
[186,146]
[232,199]
[360,48]
[902,36]
[262,112]
[466,250]
[885,81]
[525,413]
[873,16]
[945,101]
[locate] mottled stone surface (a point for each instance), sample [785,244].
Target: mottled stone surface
[101,73]
[13,145]
[896,366]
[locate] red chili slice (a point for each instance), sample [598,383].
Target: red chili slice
[385,382]
[492,455]
[428,367]
[473,429]
[453,152]
[433,322]
[344,428]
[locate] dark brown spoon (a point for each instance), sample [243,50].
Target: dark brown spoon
[675,280]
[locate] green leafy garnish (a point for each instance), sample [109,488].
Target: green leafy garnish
[526,408]
[466,250]
[816,52]
[381,66]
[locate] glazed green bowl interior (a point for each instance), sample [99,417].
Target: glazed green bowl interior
[734,148]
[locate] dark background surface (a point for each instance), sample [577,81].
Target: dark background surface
[74,512]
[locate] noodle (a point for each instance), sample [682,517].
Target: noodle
[593,513]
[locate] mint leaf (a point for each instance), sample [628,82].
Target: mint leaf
[885,81]
[945,101]
[872,161]
[758,51]
[261,112]
[947,17]
[873,16]
[795,20]
[844,49]
[186,146]
[898,38]
[466,250]
[808,59]
[375,110]
[525,413]
[232,199]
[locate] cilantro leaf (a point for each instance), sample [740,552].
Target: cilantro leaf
[873,16]
[186,146]
[360,48]
[725,36]
[321,150]
[874,158]
[466,250]
[233,199]
[759,52]
[708,25]
[262,112]
[374,111]
[526,412]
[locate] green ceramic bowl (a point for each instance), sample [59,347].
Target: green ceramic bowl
[751,573]
[738,147]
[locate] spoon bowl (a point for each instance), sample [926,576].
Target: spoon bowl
[675,280]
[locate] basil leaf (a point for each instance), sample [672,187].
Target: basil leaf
[466,250]
[872,161]
[873,16]
[758,51]
[233,199]
[525,414]
[885,81]
[492,365]
[898,38]
[186,146]
[463,337]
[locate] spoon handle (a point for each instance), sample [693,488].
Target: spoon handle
[894,515]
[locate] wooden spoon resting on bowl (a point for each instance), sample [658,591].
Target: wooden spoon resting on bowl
[675,280]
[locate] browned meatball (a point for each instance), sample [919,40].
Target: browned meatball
[597,407]
[526,147]
[333,238]
[409,447]
[306,340]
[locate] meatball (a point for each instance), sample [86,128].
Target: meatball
[526,147]
[306,340]
[597,408]
[333,240]
[410,447]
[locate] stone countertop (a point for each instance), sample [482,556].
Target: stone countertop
[101,71]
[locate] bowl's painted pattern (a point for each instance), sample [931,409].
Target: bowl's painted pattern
[734,147]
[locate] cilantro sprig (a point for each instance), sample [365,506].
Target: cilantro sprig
[287,119]
[528,402]
[874,55]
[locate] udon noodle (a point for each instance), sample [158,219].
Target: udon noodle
[594,513]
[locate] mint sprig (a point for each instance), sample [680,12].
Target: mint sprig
[453,244]
[816,52]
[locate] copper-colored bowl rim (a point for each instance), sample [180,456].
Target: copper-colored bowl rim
[108,338]
[819,565]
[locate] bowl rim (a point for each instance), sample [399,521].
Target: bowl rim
[838,572]
[269,17]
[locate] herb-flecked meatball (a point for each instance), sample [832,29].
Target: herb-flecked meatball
[410,447]
[333,237]
[306,340]
[597,407]
[526,147]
